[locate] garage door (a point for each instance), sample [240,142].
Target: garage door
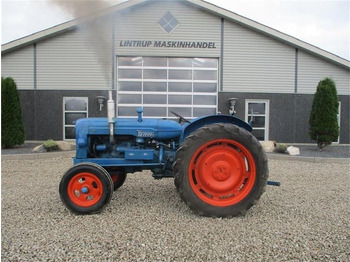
[187,86]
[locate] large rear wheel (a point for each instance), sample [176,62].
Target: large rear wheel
[86,188]
[221,170]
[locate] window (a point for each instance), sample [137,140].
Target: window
[187,86]
[74,108]
[258,112]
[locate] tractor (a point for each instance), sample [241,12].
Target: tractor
[219,168]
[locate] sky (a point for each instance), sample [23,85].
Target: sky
[322,23]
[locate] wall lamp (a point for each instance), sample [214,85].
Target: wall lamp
[101,100]
[232,102]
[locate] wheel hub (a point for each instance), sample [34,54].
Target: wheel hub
[85,190]
[221,171]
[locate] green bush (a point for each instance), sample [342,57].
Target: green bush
[50,145]
[281,148]
[12,127]
[323,122]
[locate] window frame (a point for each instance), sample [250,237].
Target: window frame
[73,112]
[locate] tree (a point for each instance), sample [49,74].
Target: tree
[12,127]
[323,123]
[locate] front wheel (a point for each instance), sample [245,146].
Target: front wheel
[220,170]
[86,188]
[118,180]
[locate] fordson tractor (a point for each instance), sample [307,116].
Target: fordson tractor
[219,167]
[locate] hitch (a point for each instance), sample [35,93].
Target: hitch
[273,183]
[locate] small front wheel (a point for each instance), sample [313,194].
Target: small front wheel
[86,188]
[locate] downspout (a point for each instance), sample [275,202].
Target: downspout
[295,92]
[222,56]
[35,89]
[110,102]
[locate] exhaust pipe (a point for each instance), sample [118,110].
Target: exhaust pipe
[111,116]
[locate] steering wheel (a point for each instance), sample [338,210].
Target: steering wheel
[181,118]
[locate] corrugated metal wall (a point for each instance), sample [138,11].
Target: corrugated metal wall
[311,70]
[78,59]
[254,62]
[142,24]
[20,66]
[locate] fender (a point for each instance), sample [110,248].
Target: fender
[212,119]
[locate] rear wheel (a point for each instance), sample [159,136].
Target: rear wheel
[221,170]
[86,188]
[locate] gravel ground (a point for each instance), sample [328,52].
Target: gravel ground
[306,218]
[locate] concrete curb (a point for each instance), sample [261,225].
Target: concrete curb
[309,159]
[33,156]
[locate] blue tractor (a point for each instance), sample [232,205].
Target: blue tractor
[219,167]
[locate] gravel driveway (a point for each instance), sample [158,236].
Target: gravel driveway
[307,218]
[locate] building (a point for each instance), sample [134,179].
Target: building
[185,56]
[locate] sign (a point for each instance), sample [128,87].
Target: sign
[167,44]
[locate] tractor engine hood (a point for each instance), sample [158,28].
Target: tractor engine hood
[160,129]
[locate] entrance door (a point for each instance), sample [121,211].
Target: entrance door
[258,110]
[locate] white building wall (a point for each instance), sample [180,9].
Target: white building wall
[254,62]
[78,59]
[20,66]
[312,69]
[142,24]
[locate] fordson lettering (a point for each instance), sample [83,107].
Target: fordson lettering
[145,134]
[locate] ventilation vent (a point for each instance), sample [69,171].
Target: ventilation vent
[168,22]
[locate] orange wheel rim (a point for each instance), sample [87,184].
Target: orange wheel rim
[85,189]
[222,172]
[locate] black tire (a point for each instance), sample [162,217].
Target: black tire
[118,180]
[86,188]
[220,170]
